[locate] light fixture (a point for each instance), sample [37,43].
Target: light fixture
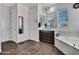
[76,5]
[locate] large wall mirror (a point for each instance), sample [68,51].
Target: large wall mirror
[51,17]
[42,20]
[48,17]
[51,20]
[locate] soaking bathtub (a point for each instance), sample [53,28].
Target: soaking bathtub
[72,41]
[68,45]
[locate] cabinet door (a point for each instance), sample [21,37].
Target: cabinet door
[50,36]
[46,36]
[42,36]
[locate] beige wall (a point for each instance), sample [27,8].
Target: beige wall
[73,18]
[4,24]
[30,22]
[33,23]
[22,10]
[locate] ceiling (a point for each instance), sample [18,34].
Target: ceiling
[28,4]
[7,4]
[41,4]
[46,4]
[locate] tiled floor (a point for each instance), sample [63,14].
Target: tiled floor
[29,47]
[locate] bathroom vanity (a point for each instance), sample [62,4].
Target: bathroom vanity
[48,24]
[46,35]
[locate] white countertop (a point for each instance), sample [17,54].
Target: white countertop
[48,29]
[72,41]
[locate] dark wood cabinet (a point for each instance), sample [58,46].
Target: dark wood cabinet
[46,36]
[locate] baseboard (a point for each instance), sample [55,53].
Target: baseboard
[21,42]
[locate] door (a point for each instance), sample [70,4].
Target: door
[13,24]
